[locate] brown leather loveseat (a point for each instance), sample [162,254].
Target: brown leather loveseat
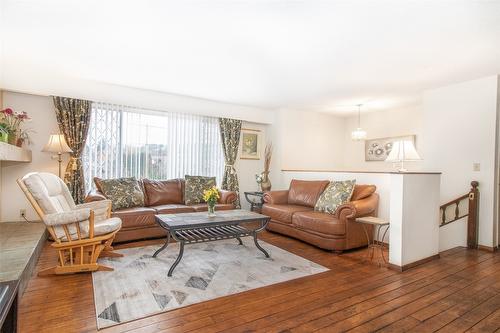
[292,213]
[160,197]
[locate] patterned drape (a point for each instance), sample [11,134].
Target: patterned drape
[230,136]
[73,117]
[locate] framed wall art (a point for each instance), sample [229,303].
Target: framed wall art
[250,144]
[379,149]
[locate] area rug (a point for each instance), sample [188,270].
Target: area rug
[139,285]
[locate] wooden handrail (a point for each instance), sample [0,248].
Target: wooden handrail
[472,213]
[465,196]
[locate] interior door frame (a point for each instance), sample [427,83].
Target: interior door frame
[496,215]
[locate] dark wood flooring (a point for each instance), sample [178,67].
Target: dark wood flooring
[456,293]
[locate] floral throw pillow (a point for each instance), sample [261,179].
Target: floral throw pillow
[336,193]
[123,192]
[194,188]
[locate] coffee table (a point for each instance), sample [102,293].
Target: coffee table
[188,228]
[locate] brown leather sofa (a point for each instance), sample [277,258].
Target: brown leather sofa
[292,214]
[160,197]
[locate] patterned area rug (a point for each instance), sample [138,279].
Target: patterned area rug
[139,286]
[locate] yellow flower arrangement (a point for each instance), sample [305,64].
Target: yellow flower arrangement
[211,195]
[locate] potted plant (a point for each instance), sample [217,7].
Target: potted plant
[211,196]
[12,122]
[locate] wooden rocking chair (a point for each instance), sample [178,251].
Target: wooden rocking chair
[81,233]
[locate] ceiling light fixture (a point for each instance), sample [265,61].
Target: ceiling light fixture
[358,134]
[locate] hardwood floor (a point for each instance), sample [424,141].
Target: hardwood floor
[458,292]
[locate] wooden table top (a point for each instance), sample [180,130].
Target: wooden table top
[372,220]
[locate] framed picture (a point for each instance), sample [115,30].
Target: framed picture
[379,149]
[250,144]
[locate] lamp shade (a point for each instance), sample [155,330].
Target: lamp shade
[57,144]
[403,150]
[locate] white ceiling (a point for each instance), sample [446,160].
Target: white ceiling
[311,55]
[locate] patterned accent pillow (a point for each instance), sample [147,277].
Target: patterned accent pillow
[194,187]
[336,193]
[123,192]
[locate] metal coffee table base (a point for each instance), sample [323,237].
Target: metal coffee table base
[209,234]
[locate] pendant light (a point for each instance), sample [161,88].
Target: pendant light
[358,134]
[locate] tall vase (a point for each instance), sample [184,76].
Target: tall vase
[266,182]
[211,209]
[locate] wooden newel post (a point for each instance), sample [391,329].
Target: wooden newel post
[473,218]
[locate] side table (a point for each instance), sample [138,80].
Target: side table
[375,243]
[256,200]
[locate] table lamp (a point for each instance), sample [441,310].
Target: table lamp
[402,151]
[57,144]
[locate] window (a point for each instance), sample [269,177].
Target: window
[128,142]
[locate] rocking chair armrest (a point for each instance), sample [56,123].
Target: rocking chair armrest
[102,208]
[74,216]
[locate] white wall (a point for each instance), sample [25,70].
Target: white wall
[455,127]
[381,124]
[307,141]
[147,99]
[43,124]
[459,129]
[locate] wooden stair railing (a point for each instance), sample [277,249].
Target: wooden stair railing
[465,206]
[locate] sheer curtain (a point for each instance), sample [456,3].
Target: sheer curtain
[129,142]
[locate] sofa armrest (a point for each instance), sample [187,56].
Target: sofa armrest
[227,197]
[276,197]
[74,216]
[358,208]
[94,196]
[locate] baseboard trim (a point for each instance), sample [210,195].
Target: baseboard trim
[487,248]
[413,264]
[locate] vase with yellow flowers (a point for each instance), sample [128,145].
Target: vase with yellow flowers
[211,196]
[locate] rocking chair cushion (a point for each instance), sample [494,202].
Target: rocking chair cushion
[73,216]
[106,226]
[50,192]
[100,228]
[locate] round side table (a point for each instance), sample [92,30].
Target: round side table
[375,243]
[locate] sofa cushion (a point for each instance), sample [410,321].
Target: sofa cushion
[163,192]
[203,207]
[136,217]
[282,213]
[172,209]
[336,193]
[194,188]
[318,222]
[305,192]
[362,191]
[123,192]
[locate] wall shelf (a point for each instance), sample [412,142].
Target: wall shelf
[13,153]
